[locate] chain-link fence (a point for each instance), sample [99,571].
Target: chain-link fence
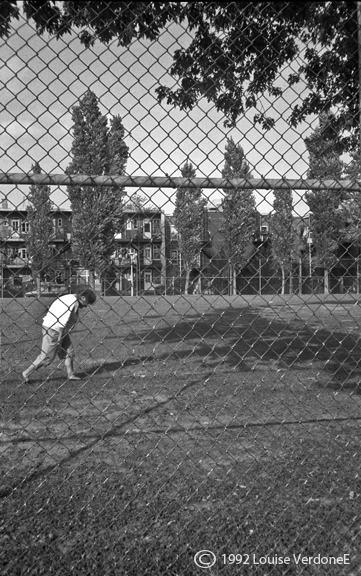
[194,166]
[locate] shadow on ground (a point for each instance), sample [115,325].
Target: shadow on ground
[113,366]
[243,338]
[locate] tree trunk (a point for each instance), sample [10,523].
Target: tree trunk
[234,281]
[291,281]
[326,277]
[38,283]
[186,286]
[283,281]
[92,279]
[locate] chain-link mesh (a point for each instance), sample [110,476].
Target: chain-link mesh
[209,420]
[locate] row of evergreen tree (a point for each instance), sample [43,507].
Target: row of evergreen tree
[99,148]
[335,215]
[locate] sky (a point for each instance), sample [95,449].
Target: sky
[41,78]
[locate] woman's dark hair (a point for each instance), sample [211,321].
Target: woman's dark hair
[89,295]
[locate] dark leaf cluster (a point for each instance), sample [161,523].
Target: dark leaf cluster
[93,20]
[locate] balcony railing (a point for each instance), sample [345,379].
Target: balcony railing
[16,235]
[61,235]
[136,235]
[9,234]
[5,261]
[127,261]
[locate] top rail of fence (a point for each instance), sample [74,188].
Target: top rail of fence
[177,182]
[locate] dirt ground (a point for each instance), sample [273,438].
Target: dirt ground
[200,423]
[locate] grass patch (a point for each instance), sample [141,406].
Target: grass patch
[227,424]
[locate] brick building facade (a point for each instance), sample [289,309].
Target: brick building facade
[15,265]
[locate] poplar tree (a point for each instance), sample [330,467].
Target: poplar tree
[283,234]
[239,212]
[324,150]
[97,149]
[188,218]
[40,228]
[351,213]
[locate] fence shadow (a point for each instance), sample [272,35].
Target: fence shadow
[115,431]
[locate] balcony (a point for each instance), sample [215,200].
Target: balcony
[121,261]
[61,235]
[125,262]
[14,262]
[12,236]
[9,235]
[139,236]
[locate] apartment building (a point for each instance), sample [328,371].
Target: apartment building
[148,259]
[15,266]
[142,252]
[176,265]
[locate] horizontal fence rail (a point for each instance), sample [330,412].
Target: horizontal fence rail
[174,182]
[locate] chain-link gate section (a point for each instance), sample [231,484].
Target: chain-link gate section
[195,167]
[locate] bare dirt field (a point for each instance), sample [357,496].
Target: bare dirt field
[227,424]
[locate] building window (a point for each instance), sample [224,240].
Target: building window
[156,226]
[264,229]
[156,252]
[15,225]
[25,227]
[60,222]
[147,227]
[22,253]
[174,255]
[156,276]
[147,253]
[148,277]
